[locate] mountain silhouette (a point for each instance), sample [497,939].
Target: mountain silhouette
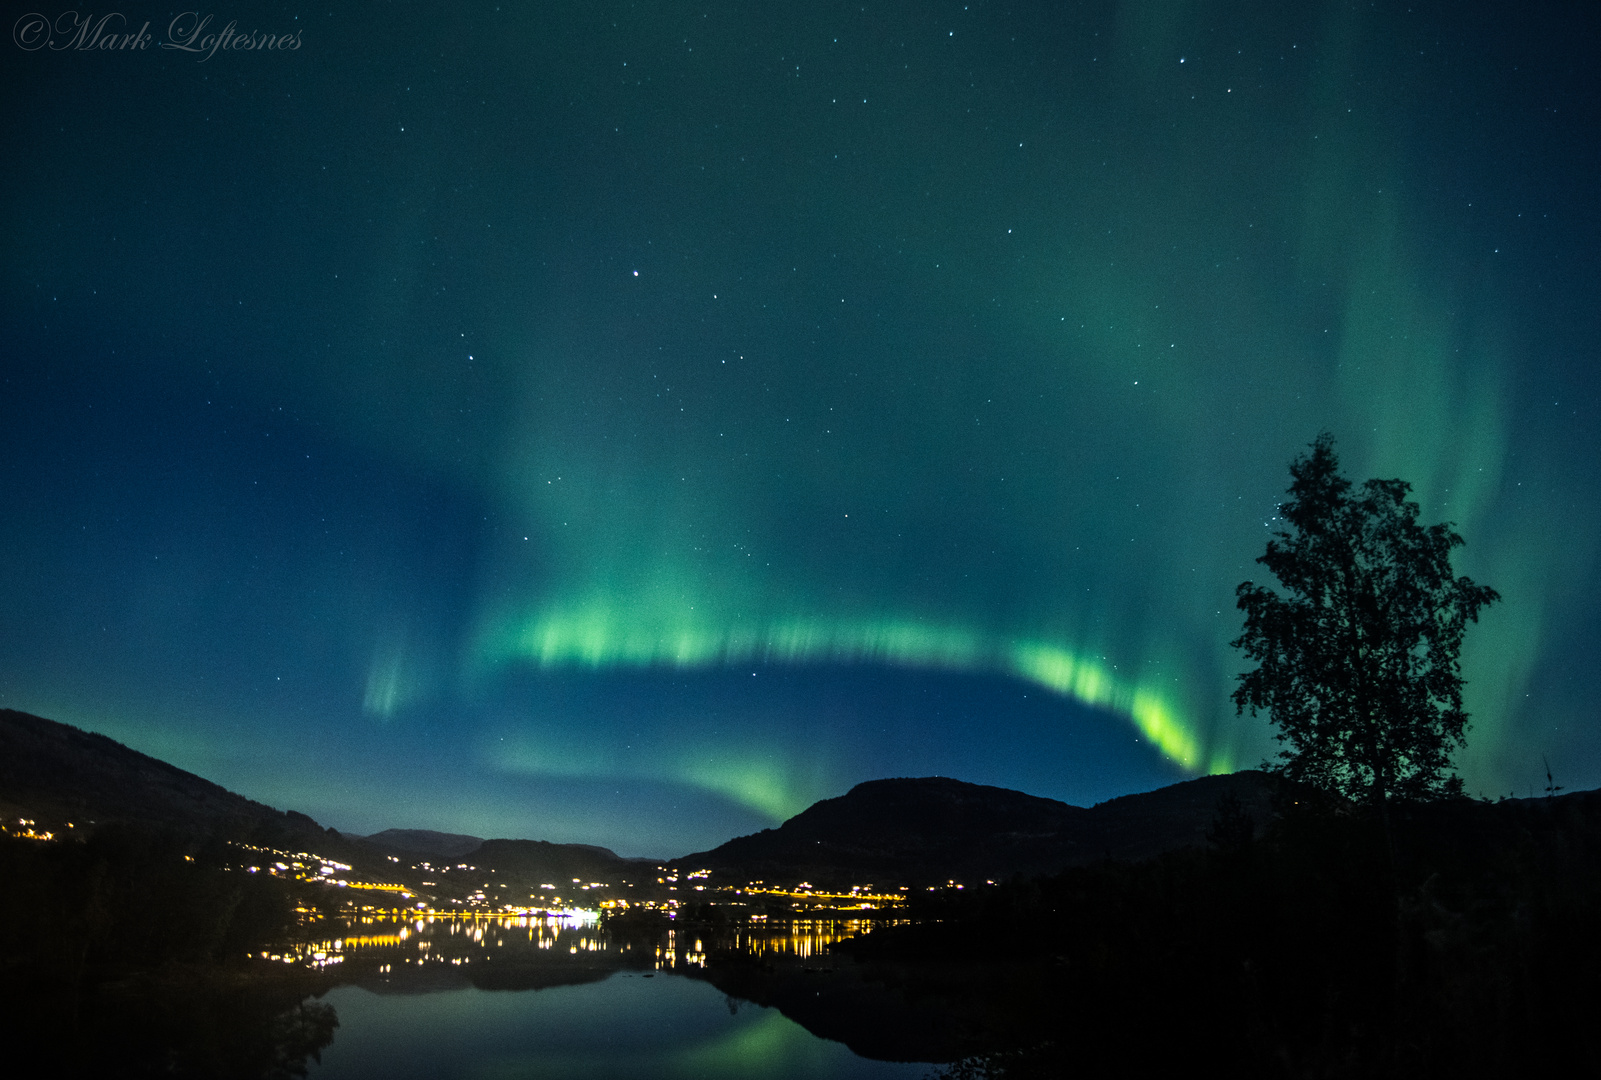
[57,774]
[441,845]
[932,830]
[541,861]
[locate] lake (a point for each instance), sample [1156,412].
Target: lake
[525,997]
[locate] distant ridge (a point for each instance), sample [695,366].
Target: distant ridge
[933,829]
[58,774]
[559,864]
[423,842]
[536,860]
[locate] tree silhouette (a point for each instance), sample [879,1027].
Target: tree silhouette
[1357,660]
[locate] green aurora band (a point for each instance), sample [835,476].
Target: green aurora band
[602,637]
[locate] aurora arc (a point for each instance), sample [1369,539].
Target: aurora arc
[598,638]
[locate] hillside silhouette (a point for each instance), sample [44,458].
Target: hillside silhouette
[439,845]
[56,774]
[562,863]
[935,829]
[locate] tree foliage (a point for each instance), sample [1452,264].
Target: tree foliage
[1357,655]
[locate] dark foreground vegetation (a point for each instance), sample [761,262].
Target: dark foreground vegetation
[1465,943]
[129,954]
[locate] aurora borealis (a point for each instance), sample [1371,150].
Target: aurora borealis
[630,423]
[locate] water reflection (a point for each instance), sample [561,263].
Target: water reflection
[389,947]
[625,1026]
[425,997]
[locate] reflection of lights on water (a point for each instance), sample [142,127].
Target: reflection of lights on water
[463,940]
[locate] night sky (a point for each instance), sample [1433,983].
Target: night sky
[629,423]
